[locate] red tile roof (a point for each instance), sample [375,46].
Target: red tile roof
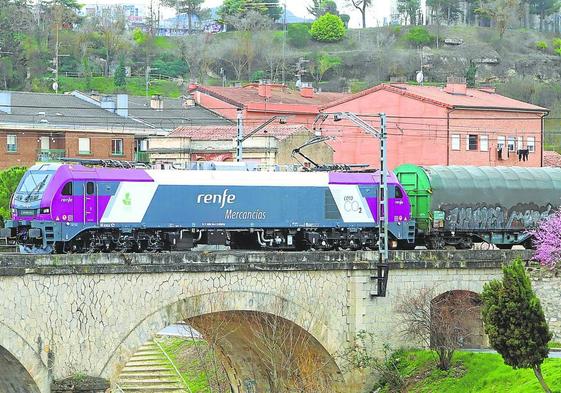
[221,133]
[551,158]
[240,96]
[474,98]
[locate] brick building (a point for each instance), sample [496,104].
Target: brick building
[270,146]
[429,125]
[45,127]
[260,102]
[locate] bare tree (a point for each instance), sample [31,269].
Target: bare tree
[198,52]
[361,5]
[442,323]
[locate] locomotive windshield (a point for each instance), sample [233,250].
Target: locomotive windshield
[32,186]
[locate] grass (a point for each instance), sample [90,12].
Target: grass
[135,86]
[186,355]
[473,372]
[554,344]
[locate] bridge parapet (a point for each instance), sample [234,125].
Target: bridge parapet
[225,261]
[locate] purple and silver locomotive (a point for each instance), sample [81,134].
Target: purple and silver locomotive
[75,208]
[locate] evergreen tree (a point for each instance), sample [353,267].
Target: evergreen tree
[120,77]
[470,74]
[514,321]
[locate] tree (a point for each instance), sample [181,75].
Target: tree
[328,28]
[470,74]
[514,321]
[298,34]
[409,9]
[240,8]
[197,52]
[120,77]
[321,63]
[547,240]
[361,5]
[544,8]
[9,180]
[319,8]
[438,321]
[191,8]
[418,36]
[501,11]
[111,26]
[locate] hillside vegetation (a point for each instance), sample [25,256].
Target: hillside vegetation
[471,373]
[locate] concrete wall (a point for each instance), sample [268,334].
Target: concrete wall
[70,314]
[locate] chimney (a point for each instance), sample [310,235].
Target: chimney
[192,86]
[108,103]
[123,105]
[265,90]
[6,102]
[307,91]
[157,102]
[456,85]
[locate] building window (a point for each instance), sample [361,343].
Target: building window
[84,146]
[455,142]
[501,142]
[11,143]
[484,143]
[520,142]
[117,147]
[531,144]
[511,143]
[471,142]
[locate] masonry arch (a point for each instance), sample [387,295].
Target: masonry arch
[23,370]
[457,315]
[252,320]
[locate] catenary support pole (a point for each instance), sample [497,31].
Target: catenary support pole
[239,138]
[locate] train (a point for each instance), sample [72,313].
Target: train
[75,208]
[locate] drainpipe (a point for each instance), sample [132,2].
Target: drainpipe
[448,136]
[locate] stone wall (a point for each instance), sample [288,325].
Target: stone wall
[70,315]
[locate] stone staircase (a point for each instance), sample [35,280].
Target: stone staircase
[150,371]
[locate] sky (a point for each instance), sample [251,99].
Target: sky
[375,13]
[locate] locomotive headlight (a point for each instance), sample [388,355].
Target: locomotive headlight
[45,210]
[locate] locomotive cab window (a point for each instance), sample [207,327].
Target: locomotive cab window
[67,189]
[90,189]
[398,193]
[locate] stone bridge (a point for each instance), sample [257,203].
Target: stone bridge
[75,315]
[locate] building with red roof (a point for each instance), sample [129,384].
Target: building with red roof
[272,145]
[430,125]
[260,102]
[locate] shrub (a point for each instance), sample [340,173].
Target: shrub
[418,36]
[328,28]
[298,34]
[120,77]
[556,42]
[541,45]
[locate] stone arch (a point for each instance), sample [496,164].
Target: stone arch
[213,303]
[23,370]
[461,310]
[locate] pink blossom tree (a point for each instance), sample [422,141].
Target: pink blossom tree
[547,240]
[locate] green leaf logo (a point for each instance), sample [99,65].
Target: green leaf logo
[127,200]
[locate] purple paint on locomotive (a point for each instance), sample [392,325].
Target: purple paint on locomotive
[71,208]
[399,209]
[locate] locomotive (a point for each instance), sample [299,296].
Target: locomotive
[66,208]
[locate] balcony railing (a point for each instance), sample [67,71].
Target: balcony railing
[46,155]
[142,156]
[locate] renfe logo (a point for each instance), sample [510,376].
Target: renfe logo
[220,199]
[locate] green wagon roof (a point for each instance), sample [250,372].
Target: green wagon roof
[503,186]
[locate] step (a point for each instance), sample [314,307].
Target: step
[154,388]
[137,358]
[151,382]
[144,373]
[158,362]
[128,369]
